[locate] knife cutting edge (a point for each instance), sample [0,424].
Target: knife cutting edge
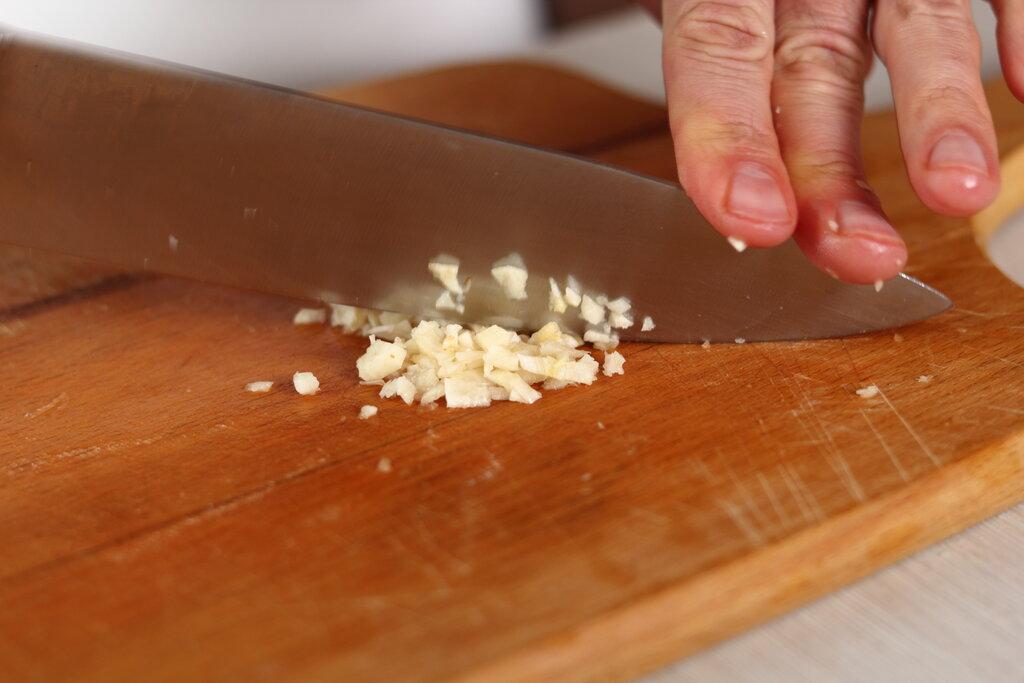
[153,166]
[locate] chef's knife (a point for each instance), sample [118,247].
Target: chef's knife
[157,167]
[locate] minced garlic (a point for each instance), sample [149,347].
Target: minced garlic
[446,270]
[591,311]
[613,362]
[309,316]
[869,391]
[511,274]
[556,301]
[305,383]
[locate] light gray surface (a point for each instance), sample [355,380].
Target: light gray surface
[954,612]
[296,43]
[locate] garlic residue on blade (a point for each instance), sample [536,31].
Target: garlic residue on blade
[348,318]
[556,301]
[591,311]
[309,316]
[573,292]
[259,387]
[305,383]
[511,274]
[602,337]
[445,270]
[445,302]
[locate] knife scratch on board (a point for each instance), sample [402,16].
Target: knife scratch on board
[742,523]
[885,446]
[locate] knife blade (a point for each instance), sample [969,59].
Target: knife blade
[158,167]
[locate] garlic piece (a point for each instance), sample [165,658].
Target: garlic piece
[869,391]
[305,383]
[349,318]
[259,387]
[613,362]
[368,411]
[510,273]
[737,244]
[620,321]
[549,333]
[466,393]
[601,337]
[445,270]
[519,391]
[572,292]
[648,324]
[620,305]
[556,301]
[445,302]
[380,360]
[401,387]
[309,316]
[591,311]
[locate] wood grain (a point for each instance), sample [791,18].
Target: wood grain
[162,524]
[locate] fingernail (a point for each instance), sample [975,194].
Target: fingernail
[958,150]
[854,219]
[754,193]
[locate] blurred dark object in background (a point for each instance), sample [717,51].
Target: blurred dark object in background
[562,13]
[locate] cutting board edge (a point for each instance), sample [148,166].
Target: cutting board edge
[675,622]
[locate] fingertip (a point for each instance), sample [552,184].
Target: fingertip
[960,176]
[757,205]
[954,192]
[857,260]
[854,243]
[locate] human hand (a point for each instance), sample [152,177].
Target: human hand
[765,101]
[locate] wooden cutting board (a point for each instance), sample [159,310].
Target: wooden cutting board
[158,522]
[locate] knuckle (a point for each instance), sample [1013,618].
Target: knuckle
[829,56]
[834,165]
[739,32]
[946,97]
[957,10]
[828,167]
[942,26]
[736,134]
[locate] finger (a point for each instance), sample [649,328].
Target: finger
[1010,33]
[822,56]
[934,59]
[718,69]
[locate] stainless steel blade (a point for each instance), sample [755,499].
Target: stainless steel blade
[157,167]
